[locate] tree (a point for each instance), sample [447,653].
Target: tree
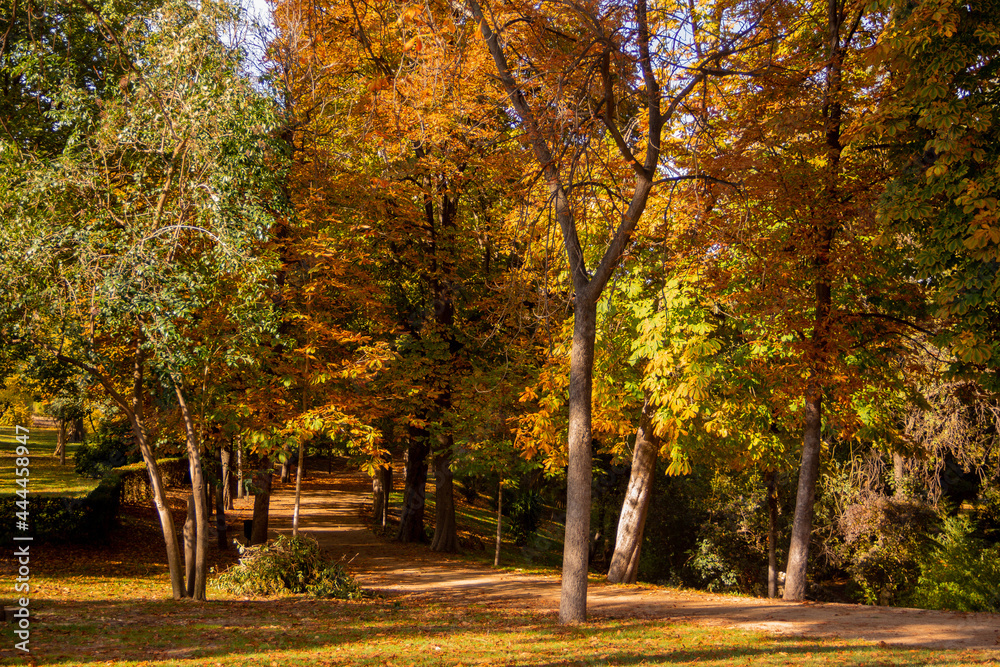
[146,229]
[594,114]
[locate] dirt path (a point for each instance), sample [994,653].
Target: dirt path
[331,511]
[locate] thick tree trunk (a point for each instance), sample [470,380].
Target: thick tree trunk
[576,548]
[772,534]
[798,551]
[61,443]
[191,547]
[411,523]
[445,530]
[198,490]
[628,545]
[496,555]
[261,505]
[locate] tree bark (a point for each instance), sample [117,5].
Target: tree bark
[445,530]
[628,544]
[61,443]
[241,489]
[798,551]
[227,477]
[496,555]
[411,523]
[191,547]
[898,475]
[261,505]
[576,550]
[77,431]
[221,531]
[772,534]
[381,489]
[133,409]
[298,487]
[198,490]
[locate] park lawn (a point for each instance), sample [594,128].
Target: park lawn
[83,621]
[47,476]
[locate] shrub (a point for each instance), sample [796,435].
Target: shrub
[55,519]
[135,488]
[111,446]
[883,540]
[525,514]
[288,565]
[959,572]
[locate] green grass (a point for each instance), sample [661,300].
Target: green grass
[47,476]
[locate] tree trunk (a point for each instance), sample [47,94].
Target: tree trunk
[286,466]
[261,506]
[241,489]
[381,488]
[298,487]
[198,490]
[798,551]
[772,534]
[227,477]
[628,545]
[61,443]
[191,547]
[496,555]
[220,518]
[445,530]
[411,522]
[576,549]
[77,432]
[133,409]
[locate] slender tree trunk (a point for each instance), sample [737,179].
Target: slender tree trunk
[445,530]
[241,489]
[576,550]
[61,443]
[772,534]
[411,523]
[191,547]
[298,487]
[220,518]
[798,551]
[496,555]
[381,488]
[286,467]
[261,506]
[628,545]
[199,492]
[133,409]
[227,477]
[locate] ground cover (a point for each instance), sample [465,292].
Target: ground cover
[104,604]
[47,476]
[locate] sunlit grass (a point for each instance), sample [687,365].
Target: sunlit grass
[47,476]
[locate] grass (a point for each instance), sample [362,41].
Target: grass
[83,621]
[47,476]
[104,604]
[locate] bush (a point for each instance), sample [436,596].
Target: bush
[111,446]
[525,514]
[54,519]
[959,572]
[883,541]
[135,488]
[288,565]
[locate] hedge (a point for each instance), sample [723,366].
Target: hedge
[135,488]
[56,519]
